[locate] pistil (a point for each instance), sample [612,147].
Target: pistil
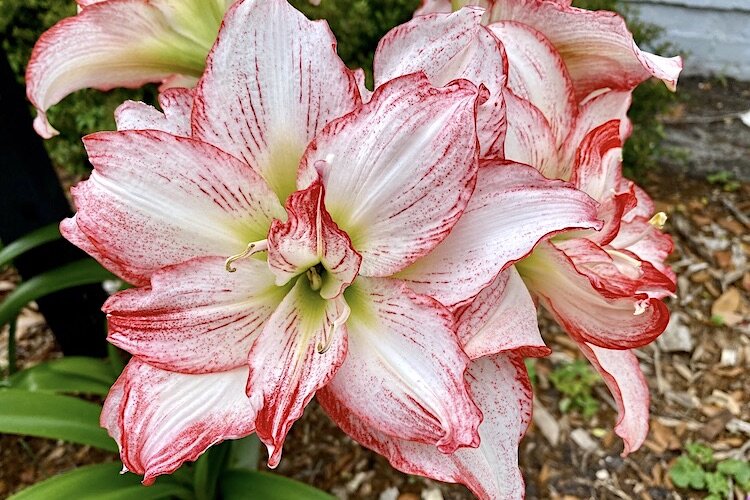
[252,249]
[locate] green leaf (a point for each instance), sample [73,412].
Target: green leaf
[82,272]
[242,484]
[244,453]
[207,470]
[52,416]
[717,484]
[700,453]
[739,469]
[687,474]
[72,375]
[25,243]
[102,481]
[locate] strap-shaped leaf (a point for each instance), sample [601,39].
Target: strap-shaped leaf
[97,482]
[71,375]
[242,484]
[207,470]
[82,272]
[25,243]
[52,416]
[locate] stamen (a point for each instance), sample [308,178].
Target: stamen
[252,249]
[658,220]
[316,282]
[323,347]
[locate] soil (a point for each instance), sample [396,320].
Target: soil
[697,373]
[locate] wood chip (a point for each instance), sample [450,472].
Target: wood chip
[546,423]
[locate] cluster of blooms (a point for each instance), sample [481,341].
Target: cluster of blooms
[291,234]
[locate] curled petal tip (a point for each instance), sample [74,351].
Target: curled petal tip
[43,127]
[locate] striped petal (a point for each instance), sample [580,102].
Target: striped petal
[624,378]
[195,317]
[404,372]
[511,210]
[502,390]
[596,46]
[272,81]
[446,47]
[176,105]
[120,43]
[399,171]
[299,350]
[537,73]
[502,318]
[162,419]
[155,199]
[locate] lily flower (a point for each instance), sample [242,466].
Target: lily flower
[596,46]
[287,240]
[121,43]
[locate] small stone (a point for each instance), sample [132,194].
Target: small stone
[677,337]
[584,440]
[432,494]
[389,494]
[602,474]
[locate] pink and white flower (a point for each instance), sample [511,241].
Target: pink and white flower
[121,43]
[596,46]
[287,240]
[605,287]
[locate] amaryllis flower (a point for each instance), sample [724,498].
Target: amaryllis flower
[625,274]
[596,46]
[286,240]
[121,43]
[605,288]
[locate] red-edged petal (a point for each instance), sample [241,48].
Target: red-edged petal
[622,374]
[502,318]
[195,317]
[404,373]
[400,170]
[537,73]
[502,390]
[446,47]
[299,350]
[596,46]
[155,199]
[308,237]
[616,273]
[597,165]
[529,138]
[118,43]
[272,81]
[512,208]
[647,242]
[162,419]
[177,106]
[587,313]
[594,112]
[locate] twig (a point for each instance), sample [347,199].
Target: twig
[738,214]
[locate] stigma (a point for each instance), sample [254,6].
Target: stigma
[252,249]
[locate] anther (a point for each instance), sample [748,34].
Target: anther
[658,220]
[252,249]
[323,347]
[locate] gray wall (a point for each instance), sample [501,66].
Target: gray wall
[715,34]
